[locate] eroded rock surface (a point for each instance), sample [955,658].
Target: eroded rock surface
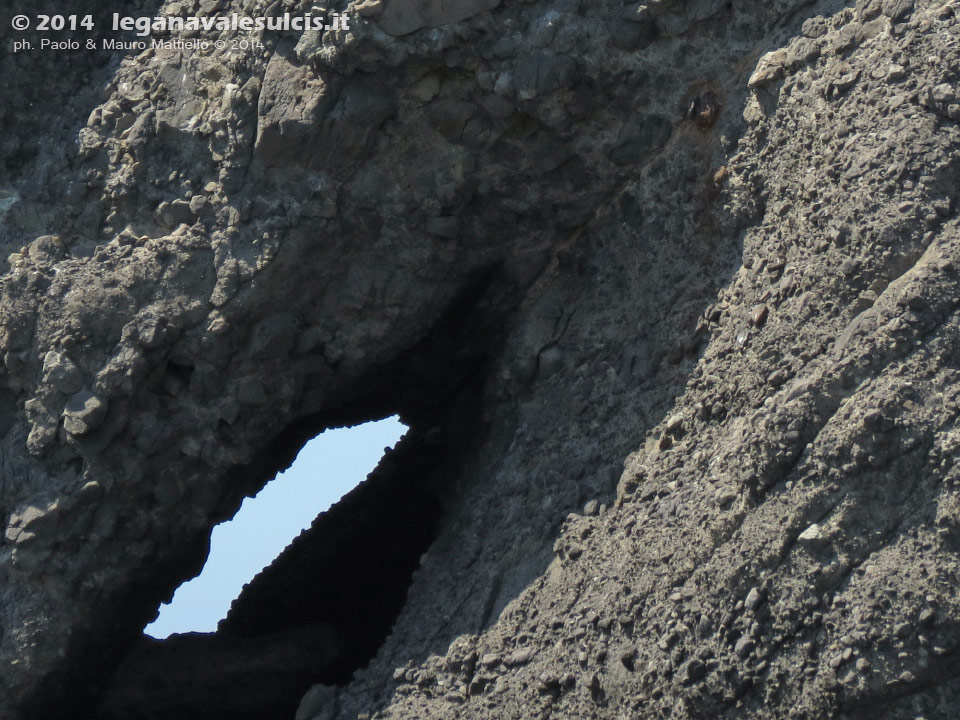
[716,239]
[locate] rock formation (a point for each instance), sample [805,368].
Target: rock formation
[667,293]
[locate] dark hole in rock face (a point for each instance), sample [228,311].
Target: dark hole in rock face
[317,614]
[323,608]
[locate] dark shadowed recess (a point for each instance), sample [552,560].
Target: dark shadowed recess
[323,608]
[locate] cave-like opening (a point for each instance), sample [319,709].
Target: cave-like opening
[316,614]
[324,607]
[327,468]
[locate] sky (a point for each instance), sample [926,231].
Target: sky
[327,468]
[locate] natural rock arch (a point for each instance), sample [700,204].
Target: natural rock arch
[549,230]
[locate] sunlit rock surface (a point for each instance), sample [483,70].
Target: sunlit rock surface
[667,292]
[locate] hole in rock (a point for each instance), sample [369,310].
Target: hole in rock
[325,470]
[315,614]
[320,611]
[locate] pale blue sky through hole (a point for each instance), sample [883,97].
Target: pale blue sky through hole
[327,468]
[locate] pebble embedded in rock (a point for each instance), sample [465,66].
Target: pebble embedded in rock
[777,378]
[744,646]
[84,413]
[724,496]
[759,315]
[694,671]
[151,332]
[769,68]
[490,659]
[91,491]
[60,372]
[520,656]
[813,535]
[675,424]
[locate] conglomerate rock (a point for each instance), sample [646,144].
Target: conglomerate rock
[667,292]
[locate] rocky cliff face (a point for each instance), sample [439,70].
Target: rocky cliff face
[667,293]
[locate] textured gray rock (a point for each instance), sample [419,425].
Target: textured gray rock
[716,239]
[402,17]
